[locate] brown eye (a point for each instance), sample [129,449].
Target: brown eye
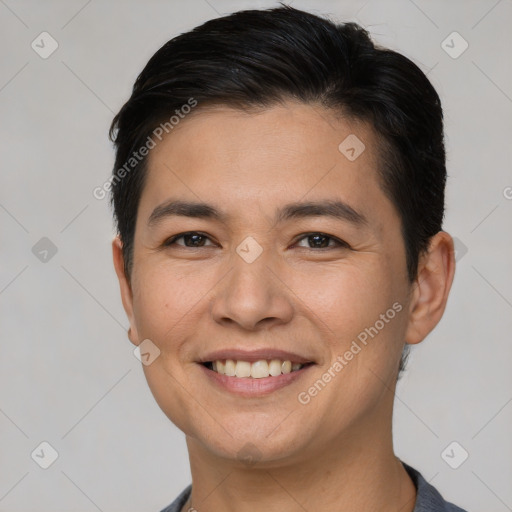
[192,239]
[322,241]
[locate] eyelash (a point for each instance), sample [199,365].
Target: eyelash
[340,243]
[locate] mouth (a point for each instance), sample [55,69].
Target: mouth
[253,374]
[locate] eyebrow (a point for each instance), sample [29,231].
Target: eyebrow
[327,208]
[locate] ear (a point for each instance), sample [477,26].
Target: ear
[430,291]
[126,290]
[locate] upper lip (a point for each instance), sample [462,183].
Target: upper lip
[254,355]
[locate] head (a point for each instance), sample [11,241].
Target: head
[247,114]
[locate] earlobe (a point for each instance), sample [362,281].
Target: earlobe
[125,287]
[436,270]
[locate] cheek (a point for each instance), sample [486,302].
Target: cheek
[167,301]
[156,304]
[348,298]
[360,309]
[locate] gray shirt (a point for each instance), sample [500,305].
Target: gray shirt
[428,498]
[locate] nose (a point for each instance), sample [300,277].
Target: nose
[253,296]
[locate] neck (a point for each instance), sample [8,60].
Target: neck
[354,473]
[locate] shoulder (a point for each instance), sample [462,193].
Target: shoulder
[178,503]
[428,498]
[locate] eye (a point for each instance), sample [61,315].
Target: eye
[321,241]
[195,238]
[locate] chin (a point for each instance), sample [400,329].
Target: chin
[259,444]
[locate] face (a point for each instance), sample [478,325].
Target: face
[261,276]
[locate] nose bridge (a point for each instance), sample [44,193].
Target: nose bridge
[252,292]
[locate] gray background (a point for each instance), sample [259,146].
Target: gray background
[68,375]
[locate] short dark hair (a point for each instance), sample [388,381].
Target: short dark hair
[255,59]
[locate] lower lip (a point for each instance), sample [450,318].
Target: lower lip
[249,387]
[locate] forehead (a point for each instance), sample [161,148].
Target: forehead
[283,154]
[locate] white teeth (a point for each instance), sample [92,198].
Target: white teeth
[274,368]
[257,370]
[243,369]
[229,368]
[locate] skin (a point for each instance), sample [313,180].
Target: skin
[336,452]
